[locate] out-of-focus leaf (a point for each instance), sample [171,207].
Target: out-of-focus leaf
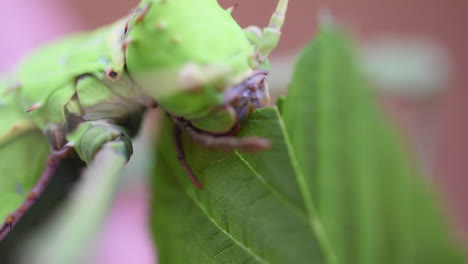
[372,204]
[69,236]
[251,210]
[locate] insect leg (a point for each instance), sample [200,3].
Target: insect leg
[181,156]
[223,142]
[91,136]
[52,163]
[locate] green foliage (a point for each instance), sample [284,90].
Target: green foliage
[250,210]
[373,207]
[336,186]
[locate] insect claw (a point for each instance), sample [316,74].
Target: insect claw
[58,155]
[33,107]
[232,8]
[69,145]
[264,88]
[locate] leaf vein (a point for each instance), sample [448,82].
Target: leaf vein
[239,243]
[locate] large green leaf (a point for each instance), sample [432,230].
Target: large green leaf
[251,209]
[372,205]
[335,187]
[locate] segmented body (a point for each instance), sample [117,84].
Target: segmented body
[81,91]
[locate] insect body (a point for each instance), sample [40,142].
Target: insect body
[187,56]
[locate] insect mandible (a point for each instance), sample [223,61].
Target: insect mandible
[188,57]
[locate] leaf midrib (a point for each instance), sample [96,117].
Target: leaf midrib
[205,212]
[314,222]
[311,216]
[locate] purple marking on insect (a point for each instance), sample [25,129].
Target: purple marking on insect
[232,93]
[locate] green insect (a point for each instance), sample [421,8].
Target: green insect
[189,57]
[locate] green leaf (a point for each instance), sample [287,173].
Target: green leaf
[336,187]
[372,204]
[251,209]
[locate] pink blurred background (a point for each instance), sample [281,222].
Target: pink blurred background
[26,24]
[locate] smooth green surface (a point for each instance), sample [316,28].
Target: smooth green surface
[335,188]
[373,205]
